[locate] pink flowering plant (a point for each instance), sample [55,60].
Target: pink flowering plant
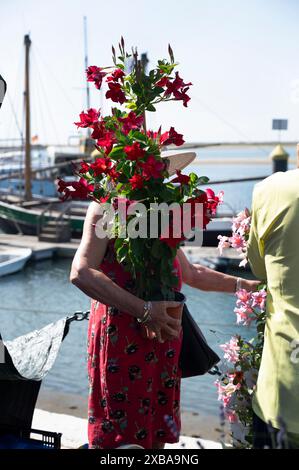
[242,357]
[240,235]
[129,167]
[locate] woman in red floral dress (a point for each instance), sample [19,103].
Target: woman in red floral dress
[134,381]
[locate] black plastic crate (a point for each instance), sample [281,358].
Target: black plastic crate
[29,438]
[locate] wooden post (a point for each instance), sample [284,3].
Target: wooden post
[297,155]
[28,192]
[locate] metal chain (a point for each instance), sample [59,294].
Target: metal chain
[79,316]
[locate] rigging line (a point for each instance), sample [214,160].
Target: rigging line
[15,92]
[46,101]
[232,126]
[62,89]
[15,115]
[39,107]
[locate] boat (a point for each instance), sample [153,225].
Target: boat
[29,202]
[13,260]
[49,219]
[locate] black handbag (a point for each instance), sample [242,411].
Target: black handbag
[196,357]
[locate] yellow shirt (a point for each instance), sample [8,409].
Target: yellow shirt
[273,253]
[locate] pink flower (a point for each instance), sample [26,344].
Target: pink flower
[259,299]
[226,390]
[223,243]
[231,415]
[244,316]
[231,350]
[241,223]
[243,296]
[238,242]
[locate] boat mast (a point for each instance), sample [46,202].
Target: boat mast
[28,191]
[86,61]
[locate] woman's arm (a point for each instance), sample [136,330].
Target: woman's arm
[85,274]
[203,278]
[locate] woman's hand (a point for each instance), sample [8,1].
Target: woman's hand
[161,321]
[250,286]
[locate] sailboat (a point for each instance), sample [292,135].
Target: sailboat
[22,209]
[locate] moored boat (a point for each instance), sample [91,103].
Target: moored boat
[13,260]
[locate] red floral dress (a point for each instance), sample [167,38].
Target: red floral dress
[134,382]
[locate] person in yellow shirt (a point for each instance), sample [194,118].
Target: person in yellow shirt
[273,253]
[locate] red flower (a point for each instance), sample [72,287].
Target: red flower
[210,203]
[134,152]
[107,141]
[114,175]
[201,199]
[213,200]
[118,74]
[152,168]
[164,81]
[179,89]
[95,74]
[84,167]
[136,181]
[131,122]
[104,138]
[101,165]
[182,179]
[172,137]
[88,119]
[75,189]
[115,93]
[152,134]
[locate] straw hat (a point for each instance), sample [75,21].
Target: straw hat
[177,161]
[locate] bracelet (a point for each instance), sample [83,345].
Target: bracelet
[147,313]
[238,284]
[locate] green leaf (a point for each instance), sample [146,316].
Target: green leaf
[117,152]
[203,180]
[150,107]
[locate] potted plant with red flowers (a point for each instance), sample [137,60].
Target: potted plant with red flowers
[129,167]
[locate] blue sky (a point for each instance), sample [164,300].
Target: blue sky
[242,57]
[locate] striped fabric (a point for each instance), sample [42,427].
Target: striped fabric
[2,89]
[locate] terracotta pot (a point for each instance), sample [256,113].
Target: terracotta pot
[174,312]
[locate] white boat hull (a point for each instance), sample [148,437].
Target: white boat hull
[13,260]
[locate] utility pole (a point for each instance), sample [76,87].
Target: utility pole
[28,191]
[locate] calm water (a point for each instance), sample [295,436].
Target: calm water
[42,293]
